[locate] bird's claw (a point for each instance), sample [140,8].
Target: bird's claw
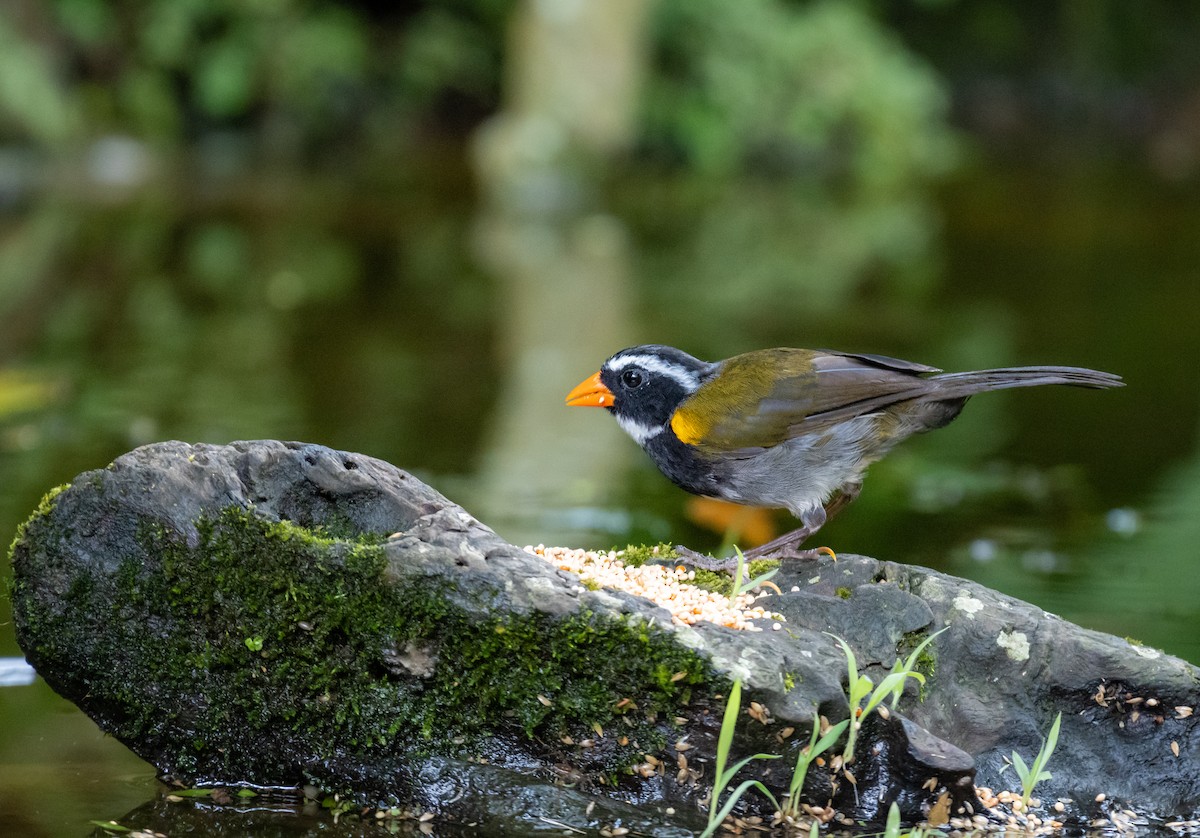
[689,556]
[703,561]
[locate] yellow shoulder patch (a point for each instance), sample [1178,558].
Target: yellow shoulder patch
[689,427]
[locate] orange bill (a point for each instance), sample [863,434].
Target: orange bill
[590,393]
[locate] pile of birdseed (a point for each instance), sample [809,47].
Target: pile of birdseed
[670,587]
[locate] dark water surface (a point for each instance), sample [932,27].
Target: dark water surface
[398,320]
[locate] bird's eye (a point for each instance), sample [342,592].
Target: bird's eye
[632,379]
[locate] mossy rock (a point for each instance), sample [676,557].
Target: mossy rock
[275,614]
[281,614]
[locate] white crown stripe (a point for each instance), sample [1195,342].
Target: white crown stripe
[685,378]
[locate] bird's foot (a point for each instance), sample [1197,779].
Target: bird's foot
[690,557]
[784,546]
[815,553]
[704,562]
[787,552]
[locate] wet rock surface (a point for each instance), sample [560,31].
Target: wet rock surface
[284,614]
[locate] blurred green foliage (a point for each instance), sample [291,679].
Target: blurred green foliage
[815,87]
[297,71]
[815,133]
[30,98]
[781,83]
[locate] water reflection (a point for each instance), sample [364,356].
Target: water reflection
[15,672]
[565,287]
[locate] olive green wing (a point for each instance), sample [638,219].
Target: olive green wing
[763,398]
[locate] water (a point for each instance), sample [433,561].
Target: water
[397,319]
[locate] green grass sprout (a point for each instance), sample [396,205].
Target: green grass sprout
[805,758]
[910,665]
[1031,776]
[738,586]
[860,687]
[892,828]
[724,776]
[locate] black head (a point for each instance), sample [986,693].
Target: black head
[648,383]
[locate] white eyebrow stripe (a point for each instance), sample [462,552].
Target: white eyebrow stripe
[686,379]
[641,433]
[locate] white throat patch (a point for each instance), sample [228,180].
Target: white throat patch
[641,433]
[686,379]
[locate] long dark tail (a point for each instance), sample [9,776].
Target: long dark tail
[955,385]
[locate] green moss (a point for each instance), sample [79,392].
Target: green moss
[316,641]
[926,662]
[722,582]
[789,681]
[44,508]
[844,593]
[636,555]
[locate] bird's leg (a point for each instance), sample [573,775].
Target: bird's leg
[689,556]
[810,523]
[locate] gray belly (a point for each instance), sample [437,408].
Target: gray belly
[803,473]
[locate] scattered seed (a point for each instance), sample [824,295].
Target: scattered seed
[670,587]
[1183,711]
[678,676]
[1100,798]
[545,700]
[1175,748]
[760,713]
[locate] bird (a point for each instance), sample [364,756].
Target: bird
[785,428]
